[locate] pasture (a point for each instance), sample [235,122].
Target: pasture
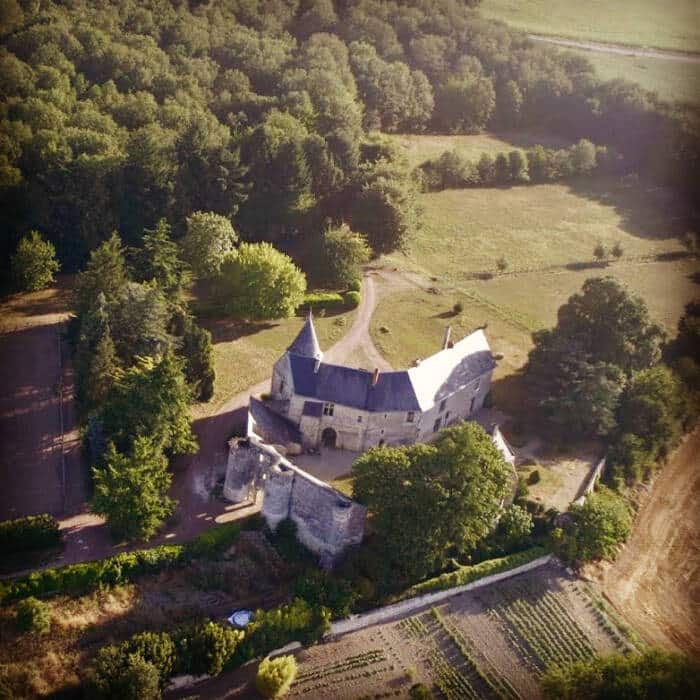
[669,78]
[666,25]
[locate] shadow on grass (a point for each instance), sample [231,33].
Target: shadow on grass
[224,330]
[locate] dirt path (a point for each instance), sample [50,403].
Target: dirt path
[86,535]
[619,49]
[655,581]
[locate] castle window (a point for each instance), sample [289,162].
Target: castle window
[447,417]
[436,425]
[443,403]
[476,388]
[281,386]
[359,419]
[328,409]
[410,416]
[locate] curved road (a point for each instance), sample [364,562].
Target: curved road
[619,49]
[85,534]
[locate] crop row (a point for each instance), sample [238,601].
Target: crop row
[328,682]
[367,658]
[499,686]
[523,652]
[452,684]
[413,628]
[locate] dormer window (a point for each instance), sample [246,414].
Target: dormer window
[410,417]
[328,409]
[443,403]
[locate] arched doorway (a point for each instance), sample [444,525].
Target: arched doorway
[328,437]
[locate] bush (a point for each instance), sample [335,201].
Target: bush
[534,477]
[156,648]
[79,578]
[34,264]
[322,300]
[207,648]
[33,616]
[320,589]
[467,574]
[502,264]
[32,532]
[275,676]
[124,677]
[458,308]
[419,691]
[352,299]
[355,285]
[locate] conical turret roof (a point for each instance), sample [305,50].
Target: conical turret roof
[306,343]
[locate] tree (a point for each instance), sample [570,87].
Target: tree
[150,399]
[583,157]
[199,359]
[159,261]
[275,676]
[596,528]
[104,274]
[514,528]
[599,252]
[260,282]
[518,167]
[647,676]
[209,239]
[654,407]
[426,499]
[34,264]
[207,647]
[131,490]
[116,676]
[617,250]
[341,256]
[465,105]
[486,168]
[502,169]
[101,372]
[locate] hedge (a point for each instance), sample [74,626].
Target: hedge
[32,532]
[322,300]
[467,574]
[121,568]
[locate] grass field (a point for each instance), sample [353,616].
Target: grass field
[669,24]
[418,148]
[670,79]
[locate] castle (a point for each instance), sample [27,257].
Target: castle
[313,403]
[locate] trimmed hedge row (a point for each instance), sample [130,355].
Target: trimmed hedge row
[467,574]
[32,532]
[121,568]
[332,301]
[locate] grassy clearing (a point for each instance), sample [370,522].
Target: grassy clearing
[245,352]
[670,79]
[667,25]
[421,147]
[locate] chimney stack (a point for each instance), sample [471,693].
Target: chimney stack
[446,340]
[375,376]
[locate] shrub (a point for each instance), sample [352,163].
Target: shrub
[502,264]
[33,616]
[275,676]
[156,648]
[322,300]
[207,648]
[467,574]
[34,264]
[352,299]
[534,477]
[599,251]
[355,285]
[419,691]
[32,532]
[458,308]
[124,677]
[617,250]
[320,589]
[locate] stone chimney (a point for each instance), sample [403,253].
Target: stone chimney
[375,376]
[446,339]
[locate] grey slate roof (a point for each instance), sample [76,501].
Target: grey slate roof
[306,343]
[271,426]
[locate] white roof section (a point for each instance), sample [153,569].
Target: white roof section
[451,369]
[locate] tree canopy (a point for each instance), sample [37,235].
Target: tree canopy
[34,263]
[428,498]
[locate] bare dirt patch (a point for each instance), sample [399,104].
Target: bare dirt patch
[655,580]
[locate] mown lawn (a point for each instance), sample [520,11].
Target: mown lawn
[670,79]
[665,24]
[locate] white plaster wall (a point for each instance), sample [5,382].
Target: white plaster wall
[282,385]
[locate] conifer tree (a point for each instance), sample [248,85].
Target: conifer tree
[105,273]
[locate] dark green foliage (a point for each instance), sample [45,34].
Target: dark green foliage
[603,335]
[105,274]
[321,589]
[120,676]
[427,498]
[595,529]
[131,490]
[30,532]
[322,300]
[285,540]
[419,691]
[259,282]
[458,308]
[651,675]
[272,629]
[198,353]
[34,263]
[150,399]
[341,255]
[207,648]
[355,285]
[210,238]
[352,299]
[534,477]
[80,578]
[274,677]
[33,616]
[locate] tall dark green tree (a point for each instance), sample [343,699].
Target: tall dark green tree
[199,359]
[34,263]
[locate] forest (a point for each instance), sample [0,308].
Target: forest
[117,115]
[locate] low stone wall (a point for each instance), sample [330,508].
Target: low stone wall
[591,481]
[390,612]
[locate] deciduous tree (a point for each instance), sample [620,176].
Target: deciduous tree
[34,263]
